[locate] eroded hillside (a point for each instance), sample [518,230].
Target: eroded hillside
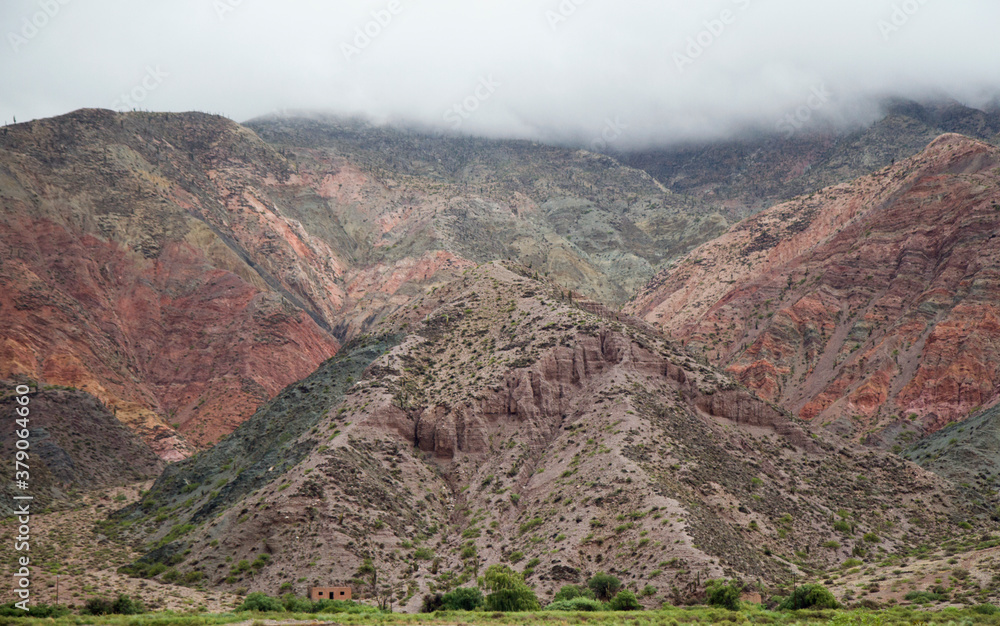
[184,270]
[869,307]
[495,420]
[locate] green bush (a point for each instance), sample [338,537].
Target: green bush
[723,594]
[809,597]
[462,599]
[341,606]
[35,610]
[986,609]
[579,603]
[923,597]
[423,554]
[568,592]
[624,600]
[295,604]
[604,586]
[508,592]
[260,602]
[123,605]
[431,603]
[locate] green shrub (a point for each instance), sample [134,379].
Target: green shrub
[123,605]
[341,606]
[724,594]
[96,606]
[462,599]
[431,603]
[295,604]
[579,603]
[624,600]
[35,610]
[568,592]
[809,597]
[986,609]
[260,602]
[508,591]
[604,586]
[423,554]
[923,597]
[261,561]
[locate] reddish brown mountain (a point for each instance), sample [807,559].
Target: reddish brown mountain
[114,284]
[184,270]
[871,306]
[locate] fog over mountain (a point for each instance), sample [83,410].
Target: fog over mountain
[623,74]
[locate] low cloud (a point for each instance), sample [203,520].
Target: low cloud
[554,70]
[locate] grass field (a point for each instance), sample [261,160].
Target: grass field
[695,615]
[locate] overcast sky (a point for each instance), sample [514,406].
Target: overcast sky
[632,71]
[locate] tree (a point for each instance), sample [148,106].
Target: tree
[260,602]
[624,600]
[809,597]
[508,591]
[604,586]
[367,571]
[431,603]
[381,594]
[462,599]
[724,593]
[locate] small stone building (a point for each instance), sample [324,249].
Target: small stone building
[329,593]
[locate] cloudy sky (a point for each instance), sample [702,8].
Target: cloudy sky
[634,71]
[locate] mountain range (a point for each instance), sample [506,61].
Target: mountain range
[334,342]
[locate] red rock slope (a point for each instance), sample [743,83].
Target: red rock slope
[873,306]
[114,283]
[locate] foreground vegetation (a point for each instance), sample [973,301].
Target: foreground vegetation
[665,617]
[510,601]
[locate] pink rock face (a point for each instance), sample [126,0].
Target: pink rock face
[864,304]
[167,339]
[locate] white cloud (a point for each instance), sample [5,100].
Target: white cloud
[564,66]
